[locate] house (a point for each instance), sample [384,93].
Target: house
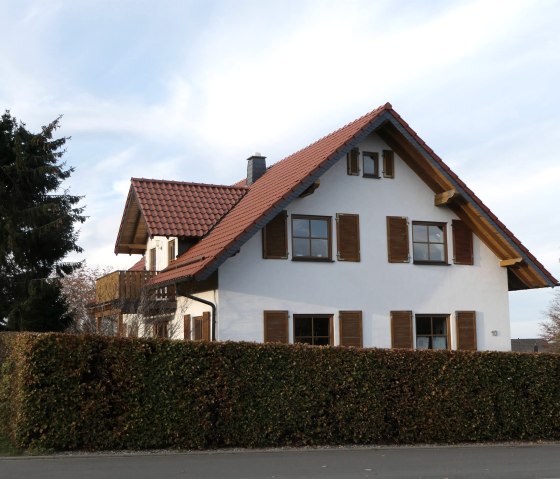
[364,238]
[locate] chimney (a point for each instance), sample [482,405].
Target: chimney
[256,167]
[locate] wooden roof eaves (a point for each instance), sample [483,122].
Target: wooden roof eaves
[292,195]
[436,163]
[131,199]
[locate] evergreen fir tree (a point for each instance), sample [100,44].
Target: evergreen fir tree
[37,227]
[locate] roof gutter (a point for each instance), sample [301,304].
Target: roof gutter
[214,311]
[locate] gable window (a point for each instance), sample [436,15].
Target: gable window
[432,332]
[311,238]
[429,242]
[371,164]
[170,251]
[315,329]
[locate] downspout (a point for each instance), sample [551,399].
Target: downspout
[214,311]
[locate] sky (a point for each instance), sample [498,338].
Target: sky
[188,89]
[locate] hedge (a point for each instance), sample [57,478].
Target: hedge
[68,392]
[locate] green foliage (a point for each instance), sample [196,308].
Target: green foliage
[37,220]
[69,392]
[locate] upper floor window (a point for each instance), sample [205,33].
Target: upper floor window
[429,242]
[371,164]
[311,238]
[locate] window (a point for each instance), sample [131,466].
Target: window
[313,329]
[371,164]
[431,332]
[170,251]
[152,259]
[160,329]
[311,238]
[429,242]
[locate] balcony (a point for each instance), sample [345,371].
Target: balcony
[124,291]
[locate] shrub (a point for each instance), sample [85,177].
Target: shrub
[69,392]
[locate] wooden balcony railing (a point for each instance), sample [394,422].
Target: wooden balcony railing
[128,285]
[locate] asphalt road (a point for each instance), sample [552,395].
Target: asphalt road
[512,462]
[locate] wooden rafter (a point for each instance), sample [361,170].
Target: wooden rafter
[446,197]
[510,261]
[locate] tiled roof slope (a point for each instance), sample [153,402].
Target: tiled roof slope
[174,208]
[140,265]
[287,179]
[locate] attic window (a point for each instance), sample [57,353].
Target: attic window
[371,164]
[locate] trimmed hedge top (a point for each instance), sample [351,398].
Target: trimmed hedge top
[69,392]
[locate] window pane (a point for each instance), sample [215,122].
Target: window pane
[422,342]
[440,325]
[304,339]
[436,234]
[300,227]
[319,248]
[421,252]
[423,326]
[439,342]
[321,327]
[321,341]
[420,233]
[369,165]
[436,252]
[319,229]
[301,247]
[302,327]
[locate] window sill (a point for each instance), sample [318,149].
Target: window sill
[432,263]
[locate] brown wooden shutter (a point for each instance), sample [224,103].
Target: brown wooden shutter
[462,243]
[275,238]
[206,326]
[388,164]
[466,330]
[276,327]
[350,328]
[353,162]
[348,237]
[152,259]
[401,329]
[187,327]
[397,239]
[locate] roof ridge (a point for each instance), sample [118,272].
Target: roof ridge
[188,183]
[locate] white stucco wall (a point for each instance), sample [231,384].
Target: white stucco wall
[160,243]
[249,285]
[189,306]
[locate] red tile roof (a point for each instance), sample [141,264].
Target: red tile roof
[140,265]
[288,178]
[174,208]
